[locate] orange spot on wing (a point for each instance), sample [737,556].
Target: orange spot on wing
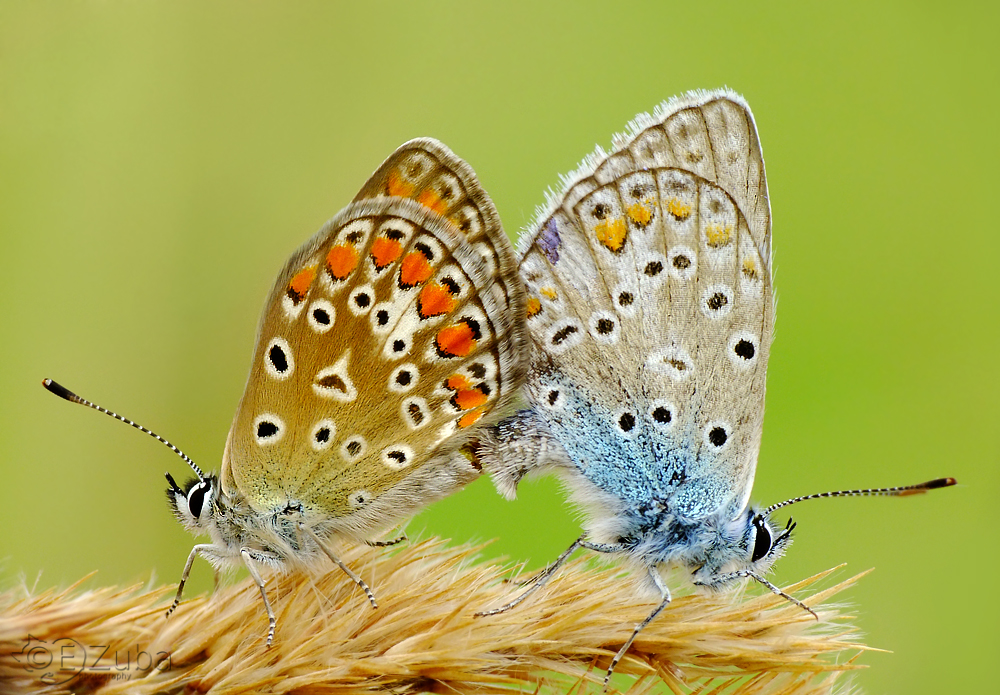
[398,187]
[385,251]
[679,210]
[470,418]
[342,260]
[456,341]
[534,306]
[299,285]
[457,382]
[718,234]
[435,300]
[612,233]
[430,199]
[640,214]
[416,269]
[468,399]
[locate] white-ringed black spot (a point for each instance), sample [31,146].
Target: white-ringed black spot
[745,349]
[626,422]
[625,299]
[403,378]
[563,333]
[605,326]
[662,415]
[278,360]
[321,315]
[653,268]
[354,448]
[600,211]
[398,345]
[362,300]
[397,456]
[553,396]
[717,436]
[477,370]
[381,317]
[681,262]
[717,301]
[354,237]
[268,429]
[322,434]
[277,357]
[415,412]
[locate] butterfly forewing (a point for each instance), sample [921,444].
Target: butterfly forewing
[386,337]
[650,277]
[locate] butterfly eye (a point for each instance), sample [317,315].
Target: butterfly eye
[762,542]
[196,498]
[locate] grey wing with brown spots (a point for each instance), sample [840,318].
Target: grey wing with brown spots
[649,292]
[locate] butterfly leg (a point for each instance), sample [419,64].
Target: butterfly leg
[539,579]
[718,581]
[195,551]
[347,570]
[249,557]
[665,593]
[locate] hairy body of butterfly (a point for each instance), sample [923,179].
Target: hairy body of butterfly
[387,340]
[650,311]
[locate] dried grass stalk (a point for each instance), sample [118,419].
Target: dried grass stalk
[423,637]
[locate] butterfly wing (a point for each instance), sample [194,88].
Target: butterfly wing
[650,309]
[386,337]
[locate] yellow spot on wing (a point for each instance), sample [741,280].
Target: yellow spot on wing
[416,269]
[385,251]
[430,199]
[456,341]
[470,418]
[679,210]
[534,306]
[749,268]
[640,213]
[398,187]
[718,235]
[549,292]
[612,233]
[299,285]
[341,261]
[435,299]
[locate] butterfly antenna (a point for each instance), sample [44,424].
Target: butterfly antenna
[902,491]
[63,392]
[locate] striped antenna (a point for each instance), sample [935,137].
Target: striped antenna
[902,491]
[64,392]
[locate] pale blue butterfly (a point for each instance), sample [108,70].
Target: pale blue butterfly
[650,311]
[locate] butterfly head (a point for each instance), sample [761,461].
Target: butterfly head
[747,546]
[765,544]
[193,504]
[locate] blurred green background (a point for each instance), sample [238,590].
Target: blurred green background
[159,161]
